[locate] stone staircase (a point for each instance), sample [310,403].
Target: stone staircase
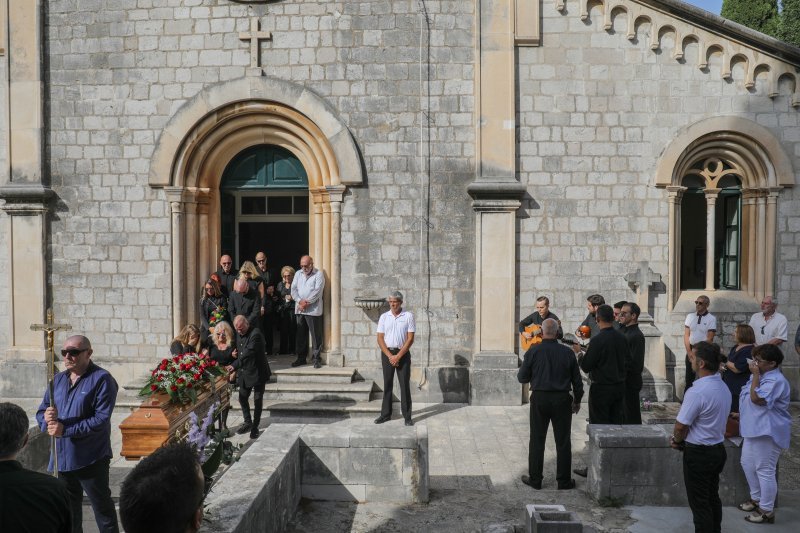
[303,393]
[299,395]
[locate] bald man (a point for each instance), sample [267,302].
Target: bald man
[307,287]
[226,274]
[85,396]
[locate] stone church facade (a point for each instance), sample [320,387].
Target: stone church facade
[472,154]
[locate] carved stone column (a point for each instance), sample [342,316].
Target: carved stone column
[335,354]
[761,250]
[711,211]
[26,196]
[176,203]
[675,193]
[749,240]
[771,234]
[494,364]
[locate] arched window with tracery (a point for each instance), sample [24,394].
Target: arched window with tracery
[723,177]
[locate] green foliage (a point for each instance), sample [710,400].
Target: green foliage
[760,15]
[789,29]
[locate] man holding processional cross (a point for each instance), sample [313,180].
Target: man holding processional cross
[76,411]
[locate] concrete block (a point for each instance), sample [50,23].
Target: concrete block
[328,435]
[386,436]
[530,509]
[389,493]
[556,522]
[319,465]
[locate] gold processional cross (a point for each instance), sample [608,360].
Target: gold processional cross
[255,36]
[50,329]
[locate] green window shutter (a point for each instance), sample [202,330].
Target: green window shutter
[264,167]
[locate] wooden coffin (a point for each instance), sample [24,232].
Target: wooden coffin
[158,420]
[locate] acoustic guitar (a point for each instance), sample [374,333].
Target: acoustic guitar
[535,330]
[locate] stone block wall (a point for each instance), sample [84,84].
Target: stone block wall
[636,466]
[399,73]
[596,111]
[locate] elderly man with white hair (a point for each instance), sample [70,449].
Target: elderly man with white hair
[769,326]
[252,372]
[396,329]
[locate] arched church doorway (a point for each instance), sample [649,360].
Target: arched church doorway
[264,206]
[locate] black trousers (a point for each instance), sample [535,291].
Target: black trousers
[546,407]
[306,324]
[258,402]
[288,328]
[606,403]
[403,370]
[93,480]
[267,321]
[702,466]
[632,413]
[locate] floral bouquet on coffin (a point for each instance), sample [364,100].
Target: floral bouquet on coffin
[181,376]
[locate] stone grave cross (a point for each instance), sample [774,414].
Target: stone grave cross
[641,279]
[255,36]
[50,328]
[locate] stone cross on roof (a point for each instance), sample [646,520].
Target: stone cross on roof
[641,279]
[255,36]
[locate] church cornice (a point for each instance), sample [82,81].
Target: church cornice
[759,53]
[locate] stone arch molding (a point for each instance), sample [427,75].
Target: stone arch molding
[200,140]
[763,168]
[755,62]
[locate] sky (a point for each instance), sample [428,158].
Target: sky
[709,5]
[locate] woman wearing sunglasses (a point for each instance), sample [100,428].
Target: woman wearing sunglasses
[765,425]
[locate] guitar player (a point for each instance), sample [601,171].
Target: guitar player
[537,317]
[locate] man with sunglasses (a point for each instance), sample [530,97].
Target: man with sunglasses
[698,326]
[769,326]
[227,275]
[85,396]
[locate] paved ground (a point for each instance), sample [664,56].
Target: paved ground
[477,455]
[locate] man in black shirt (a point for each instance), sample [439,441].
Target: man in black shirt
[617,311]
[540,315]
[551,369]
[604,361]
[592,303]
[227,275]
[29,501]
[634,364]
[245,301]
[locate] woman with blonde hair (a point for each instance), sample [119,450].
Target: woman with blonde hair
[213,307]
[222,349]
[288,326]
[187,341]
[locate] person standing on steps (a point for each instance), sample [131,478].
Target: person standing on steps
[396,329]
[307,287]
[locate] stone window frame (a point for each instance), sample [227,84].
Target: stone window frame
[763,169]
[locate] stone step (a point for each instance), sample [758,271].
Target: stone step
[307,392]
[309,374]
[307,412]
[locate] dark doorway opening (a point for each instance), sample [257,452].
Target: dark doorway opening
[283,242]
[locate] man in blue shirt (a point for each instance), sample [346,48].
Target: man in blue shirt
[85,395]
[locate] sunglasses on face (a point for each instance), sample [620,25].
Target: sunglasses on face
[71,352]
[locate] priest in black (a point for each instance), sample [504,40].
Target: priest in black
[604,361]
[226,274]
[634,364]
[552,371]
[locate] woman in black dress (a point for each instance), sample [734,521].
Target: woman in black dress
[213,308]
[288,326]
[735,371]
[222,349]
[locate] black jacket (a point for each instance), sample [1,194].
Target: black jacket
[248,304]
[605,358]
[634,364]
[551,367]
[226,281]
[251,363]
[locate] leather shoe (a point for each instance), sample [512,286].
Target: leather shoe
[254,433]
[317,364]
[567,486]
[409,422]
[583,472]
[298,363]
[532,484]
[382,419]
[244,428]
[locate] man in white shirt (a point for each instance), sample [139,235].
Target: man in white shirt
[307,287]
[395,336]
[770,327]
[698,326]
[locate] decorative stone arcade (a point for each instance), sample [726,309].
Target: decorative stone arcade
[200,141]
